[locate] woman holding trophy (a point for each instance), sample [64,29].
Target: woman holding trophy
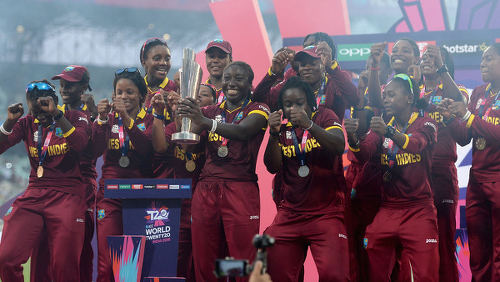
[226,204]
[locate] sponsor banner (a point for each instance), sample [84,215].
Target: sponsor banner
[149,186]
[174,186]
[466,48]
[137,186]
[185,186]
[161,186]
[112,186]
[353,52]
[124,186]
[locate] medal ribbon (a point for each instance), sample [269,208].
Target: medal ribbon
[489,101]
[43,150]
[392,147]
[122,137]
[237,118]
[301,151]
[321,99]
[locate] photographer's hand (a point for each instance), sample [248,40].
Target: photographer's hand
[257,276]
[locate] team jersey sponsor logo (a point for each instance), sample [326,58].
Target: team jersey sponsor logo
[101,214]
[288,135]
[80,220]
[35,136]
[386,142]
[137,186]
[141,126]
[431,241]
[253,217]
[84,119]
[432,125]
[115,128]
[343,236]
[264,109]
[218,118]
[161,186]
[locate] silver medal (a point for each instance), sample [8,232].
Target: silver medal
[124,161]
[222,151]
[303,171]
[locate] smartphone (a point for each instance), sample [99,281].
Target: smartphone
[231,268]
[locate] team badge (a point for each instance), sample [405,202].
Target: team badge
[386,142]
[114,129]
[141,126]
[365,243]
[59,132]
[100,214]
[9,211]
[496,106]
[436,100]
[218,118]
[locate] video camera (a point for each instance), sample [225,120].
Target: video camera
[230,267]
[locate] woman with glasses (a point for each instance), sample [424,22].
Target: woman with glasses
[121,134]
[54,201]
[406,219]
[226,203]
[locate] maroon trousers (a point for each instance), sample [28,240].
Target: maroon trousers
[445,189]
[414,230]
[109,222]
[61,215]
[39,271]
[225,217]
[294,233]
[482,214]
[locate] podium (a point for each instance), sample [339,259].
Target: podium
[152,208]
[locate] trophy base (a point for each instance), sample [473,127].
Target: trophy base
[186,137]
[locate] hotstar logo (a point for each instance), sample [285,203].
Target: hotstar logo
[465,48]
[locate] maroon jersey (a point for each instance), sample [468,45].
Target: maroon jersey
[484,125]
[410,174]
[87,159]
[172,163]
[239,164]
[61,167]
[445,150]
[218,92]
[107,142]
[167,85]
[339,92]
[323,189]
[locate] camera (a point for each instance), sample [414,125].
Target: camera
[230,267]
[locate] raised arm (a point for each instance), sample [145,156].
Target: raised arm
[273,156]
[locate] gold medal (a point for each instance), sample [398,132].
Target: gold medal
[387,176]
[39,171]
[480,143]
[190,165]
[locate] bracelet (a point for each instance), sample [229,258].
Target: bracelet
[310,126]
[467,116]
[100,121]
[157,116]
[214,126]
[58,116]
[5,132]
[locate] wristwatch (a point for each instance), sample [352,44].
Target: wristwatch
[442,69]
[390,131]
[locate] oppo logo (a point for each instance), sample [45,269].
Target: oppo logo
[354,52]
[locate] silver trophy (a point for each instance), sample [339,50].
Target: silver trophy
[190,79]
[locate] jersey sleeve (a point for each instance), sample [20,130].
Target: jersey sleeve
[79,136]
[266,93]
[425,136]
[100,136]
[368,147]
[18,134]
[344,85]
[489,129]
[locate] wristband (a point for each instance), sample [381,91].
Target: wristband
[100,121]
[58,116]
[466,116]
[390,132]
[310,126]
[5,132]
[214,126]
[157,116]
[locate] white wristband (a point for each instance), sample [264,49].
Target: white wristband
[214,126]
[467,116]
[310,126]
[100,121]
[5,132]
